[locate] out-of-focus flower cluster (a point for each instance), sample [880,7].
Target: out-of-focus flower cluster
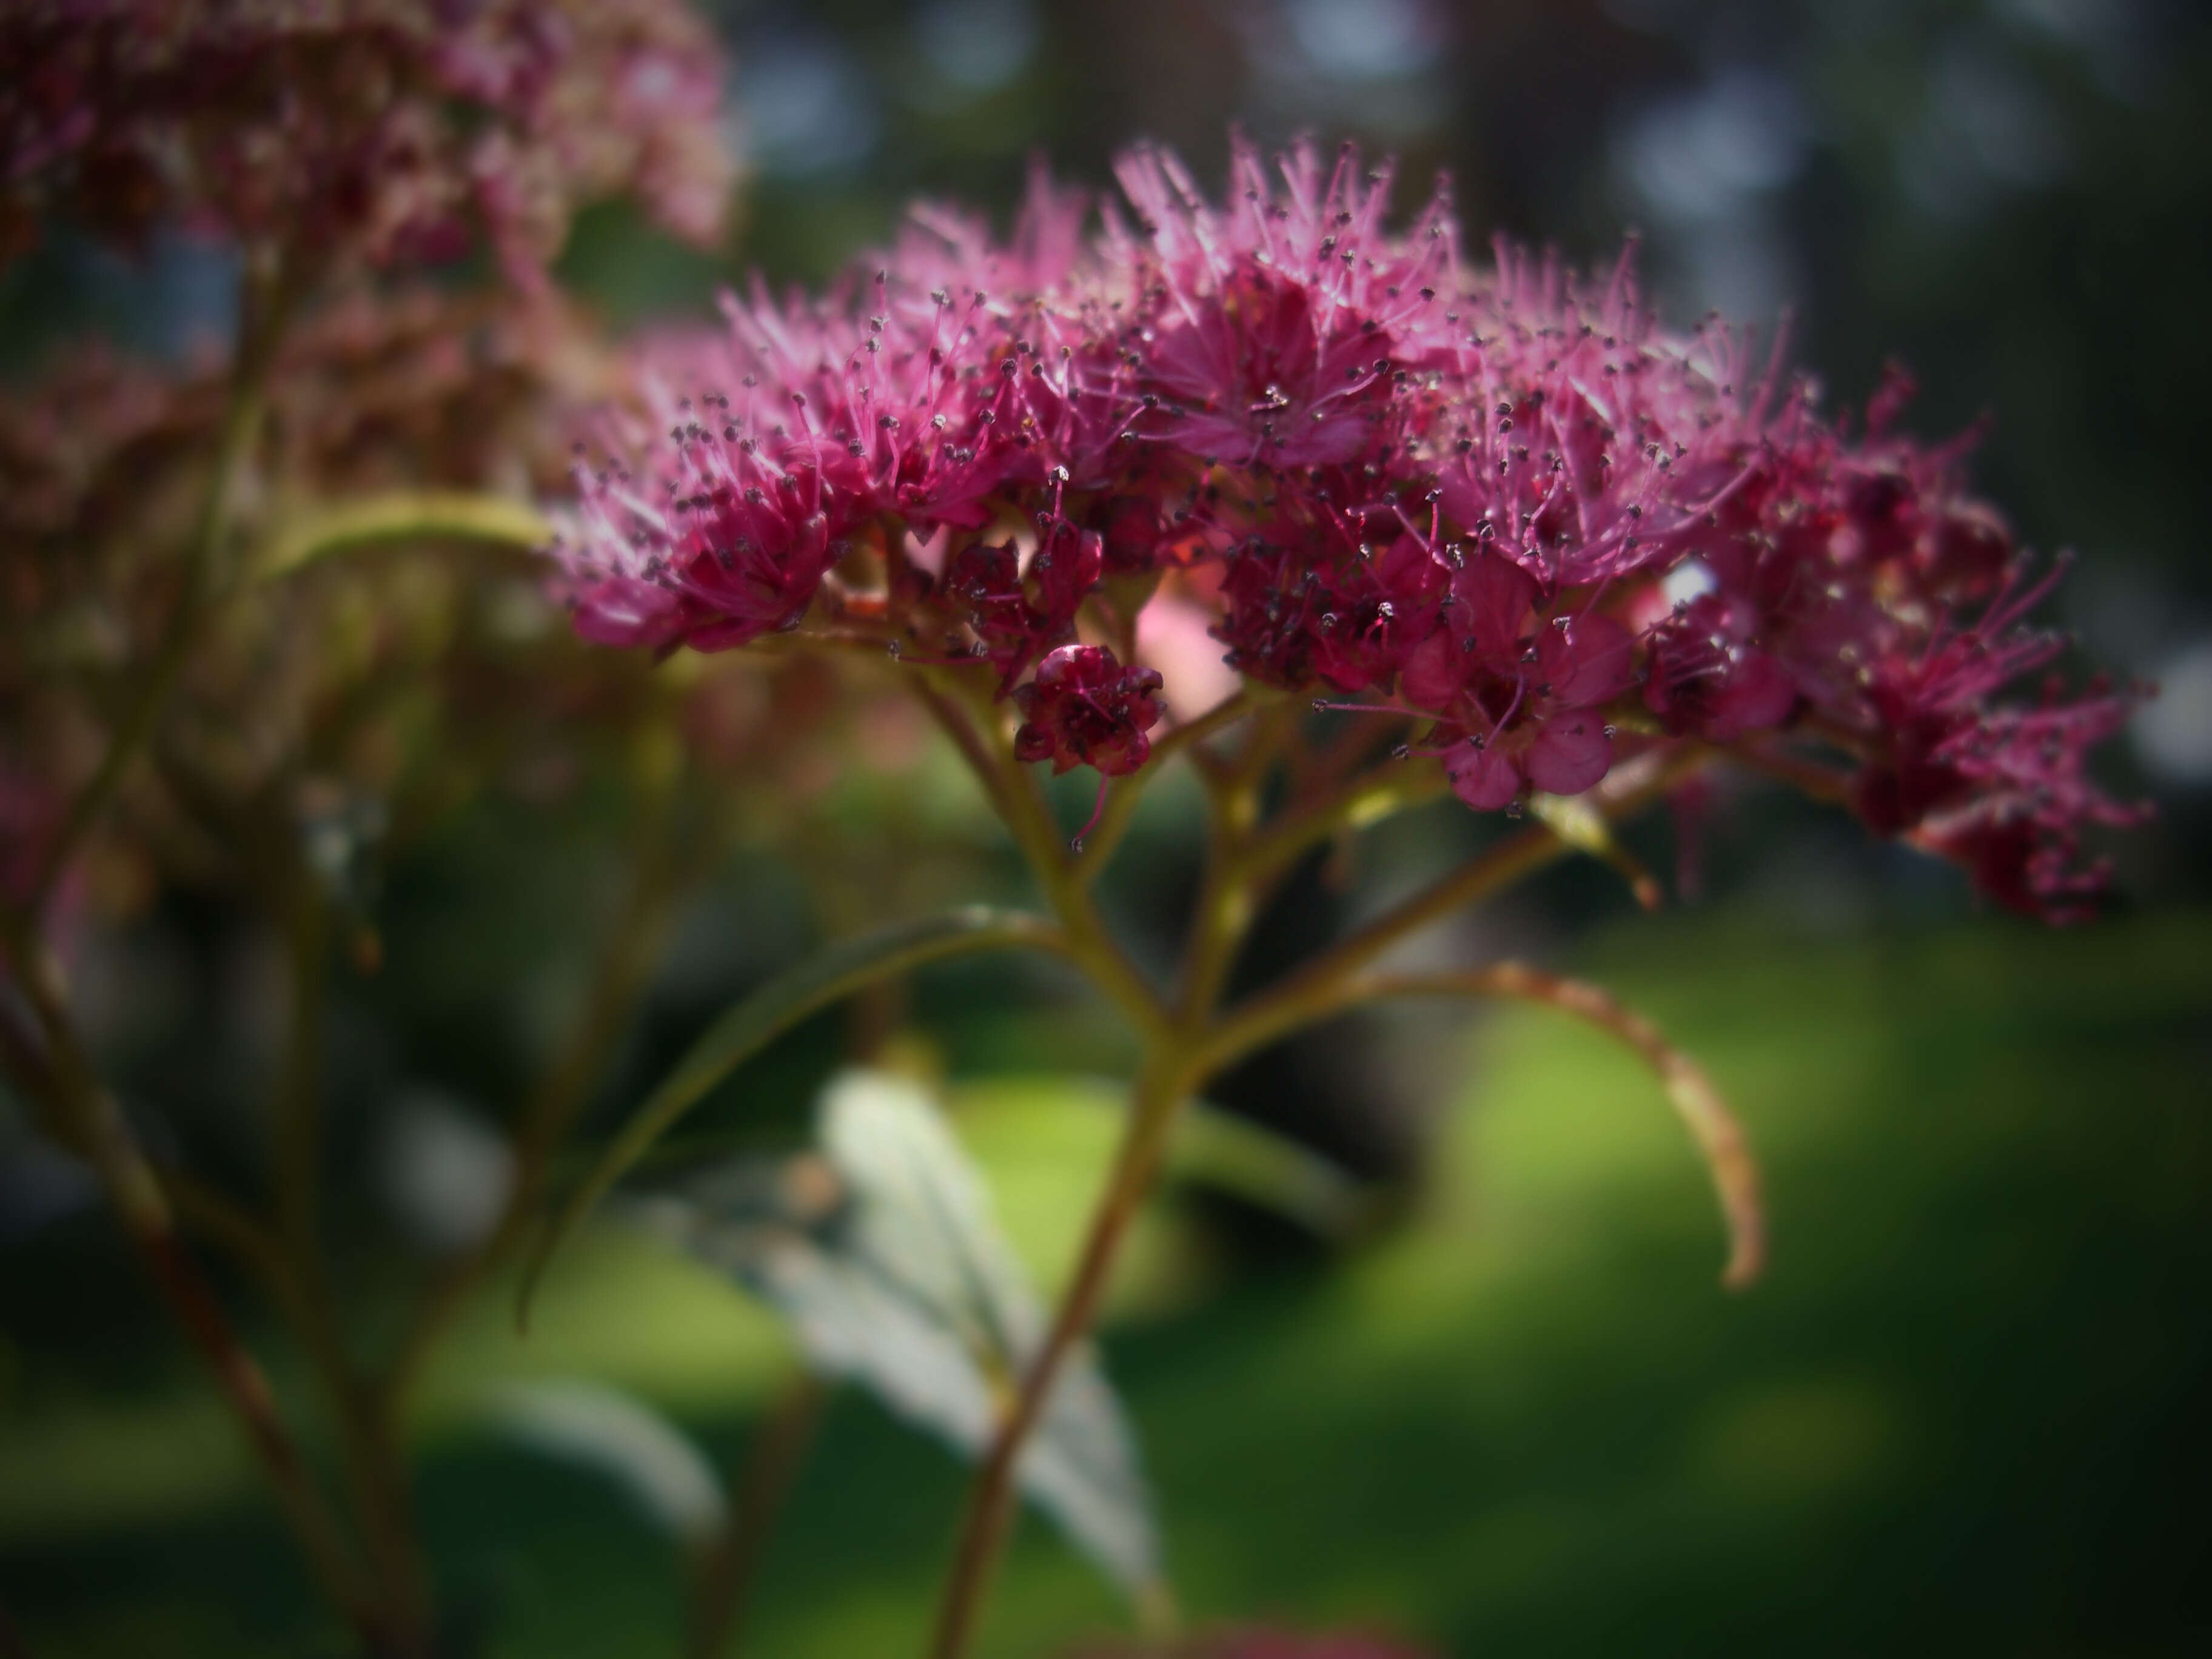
[383,131]
[1501,498]
[102,478]
[395,681]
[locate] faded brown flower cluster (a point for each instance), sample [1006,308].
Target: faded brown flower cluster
[388,131]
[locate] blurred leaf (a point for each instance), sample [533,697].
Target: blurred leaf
[1582,827]
[765,1014]
[1235,1156]
[619,1436]
[401,516]
[887,1260]
[1013,1124]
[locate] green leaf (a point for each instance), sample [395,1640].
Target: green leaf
[1249,1161]
[1574,821]
[401,516]
[1055,1134]
[885,1256]
[802,989]
[664,1471]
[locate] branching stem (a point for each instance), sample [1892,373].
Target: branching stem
[1311,991]
[1171,1071]
[92,1123]
[965,712]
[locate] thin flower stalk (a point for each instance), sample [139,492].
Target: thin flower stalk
[1697,1100]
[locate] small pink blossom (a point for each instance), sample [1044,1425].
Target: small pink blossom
[1085,708]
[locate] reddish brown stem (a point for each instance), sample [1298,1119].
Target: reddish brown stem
[94,1126]
[771,1470]
[1695,1098]
[1153,1109]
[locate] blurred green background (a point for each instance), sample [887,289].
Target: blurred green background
[1966,1412]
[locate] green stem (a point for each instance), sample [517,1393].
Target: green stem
[817,981]
[262,309]
[1125,794]
[1189,1042]
[1220,717]
[969,717]
[1309,993]
[1366,799]
[1223,913]
[1172,1070]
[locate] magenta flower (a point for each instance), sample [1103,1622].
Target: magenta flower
[1709,676]
[1017,615]
[1286,318]
[1455,495]
[1085,708]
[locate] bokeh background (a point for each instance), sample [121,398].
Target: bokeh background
[1966,1412]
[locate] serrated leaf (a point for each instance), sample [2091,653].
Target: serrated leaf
[899,1278]
[769,1010]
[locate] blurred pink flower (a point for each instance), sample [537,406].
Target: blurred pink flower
[389,131]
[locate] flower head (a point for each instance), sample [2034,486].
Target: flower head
[102,482]
[1506,503]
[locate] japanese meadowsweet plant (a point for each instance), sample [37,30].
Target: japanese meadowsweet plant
[1335,515]
[1558,558]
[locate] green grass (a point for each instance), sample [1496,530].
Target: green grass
[1961,1414]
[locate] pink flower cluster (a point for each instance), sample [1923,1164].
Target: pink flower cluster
[1502,498]
[383,130]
